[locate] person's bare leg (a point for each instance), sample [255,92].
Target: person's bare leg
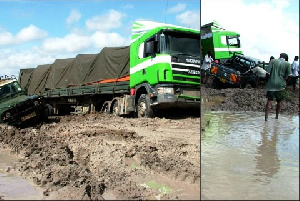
[294,87]
[277,110]
[267,109]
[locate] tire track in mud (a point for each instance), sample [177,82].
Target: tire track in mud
[92,155]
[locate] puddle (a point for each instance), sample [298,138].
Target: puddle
[244,157]
[12,185]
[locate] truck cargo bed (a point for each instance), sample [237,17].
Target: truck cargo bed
[93,89]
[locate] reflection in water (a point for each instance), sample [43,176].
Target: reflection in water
[244,157]
[266,157]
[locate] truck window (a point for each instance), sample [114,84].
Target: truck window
[4,90]
[152,39]
[180,43]
[233,41]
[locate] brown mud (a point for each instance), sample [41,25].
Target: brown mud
[100,156]
[245,99]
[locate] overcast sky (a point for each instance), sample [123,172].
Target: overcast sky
[267,27]
[38,32]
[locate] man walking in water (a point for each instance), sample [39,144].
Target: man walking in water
[279,71]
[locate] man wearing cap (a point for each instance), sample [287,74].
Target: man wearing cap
[279,71]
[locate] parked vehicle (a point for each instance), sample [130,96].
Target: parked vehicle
[18,109]
[159,70]
[236,71]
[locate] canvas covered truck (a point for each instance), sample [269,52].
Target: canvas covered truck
[159,70]
[17,108]
[222,43]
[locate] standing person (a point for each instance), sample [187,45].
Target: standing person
[279,71]
[295,71]
[205,68]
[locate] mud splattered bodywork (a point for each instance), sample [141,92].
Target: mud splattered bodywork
[18,109]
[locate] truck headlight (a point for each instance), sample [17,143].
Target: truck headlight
[6,115]
[165,90]
[36,103]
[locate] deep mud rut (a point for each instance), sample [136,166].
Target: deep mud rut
[99,156]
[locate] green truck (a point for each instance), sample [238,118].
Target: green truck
[159,70]
[18,109]
[222,43]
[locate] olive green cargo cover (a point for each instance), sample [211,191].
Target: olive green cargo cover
[110,63]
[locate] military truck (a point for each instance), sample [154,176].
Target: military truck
[159,70]
[236,71]
[18,109]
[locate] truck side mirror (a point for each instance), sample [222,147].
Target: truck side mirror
[150,47]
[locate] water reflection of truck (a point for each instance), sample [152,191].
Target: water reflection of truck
[18,109]
[160,69]
[222,43]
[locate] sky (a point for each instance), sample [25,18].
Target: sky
[266,27]
[36,32]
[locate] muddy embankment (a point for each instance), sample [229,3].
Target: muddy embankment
[246,99]
[99,156]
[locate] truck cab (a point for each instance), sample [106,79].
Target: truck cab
[222,43]
[18,109]
[164,66]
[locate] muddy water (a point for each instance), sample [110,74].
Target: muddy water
[244,157]
[12,185]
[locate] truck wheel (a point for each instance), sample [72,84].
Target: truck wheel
[46,112]
[242,86]
[115,108]
[143,107]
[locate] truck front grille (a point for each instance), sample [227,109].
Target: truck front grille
[185,69]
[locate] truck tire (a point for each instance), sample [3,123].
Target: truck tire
[115,108]
[143,107]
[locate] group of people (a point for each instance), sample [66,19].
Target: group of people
[278,73]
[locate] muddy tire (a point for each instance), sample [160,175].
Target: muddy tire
[46,113]
[143,107]
[115,108]
[105,108]
[242,86]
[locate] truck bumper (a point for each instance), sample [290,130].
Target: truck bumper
[165,101]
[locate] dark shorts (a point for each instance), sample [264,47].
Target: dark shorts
[277,95]
[294,80]
[205,72]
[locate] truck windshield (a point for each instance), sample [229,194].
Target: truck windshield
[181,43]
[9,89]
[233,41]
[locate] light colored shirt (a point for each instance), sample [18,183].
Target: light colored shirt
[207,62]
[260,72]
[281,69]
[295,68]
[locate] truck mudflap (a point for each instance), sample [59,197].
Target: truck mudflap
[165,101]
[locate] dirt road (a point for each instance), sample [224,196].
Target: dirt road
[99,156]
